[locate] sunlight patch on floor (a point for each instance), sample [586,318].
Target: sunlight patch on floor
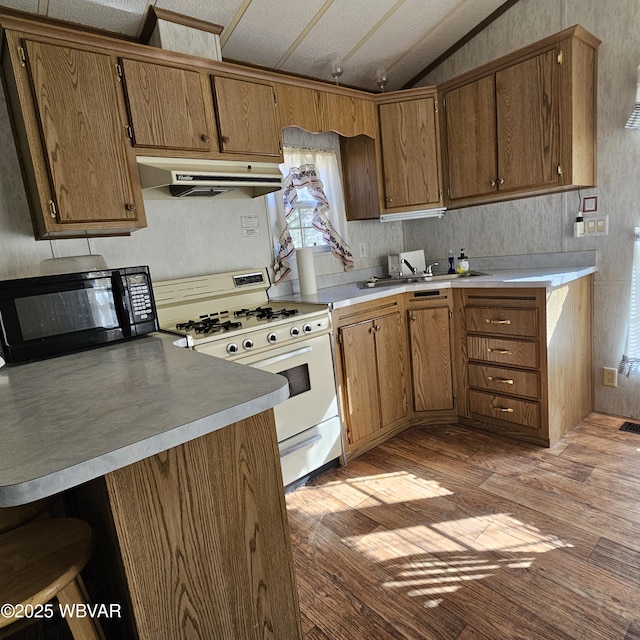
[370,491]
[429,561]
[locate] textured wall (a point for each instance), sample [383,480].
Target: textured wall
[544,224]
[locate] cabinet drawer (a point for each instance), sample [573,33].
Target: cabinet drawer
[511,381]
[498,407]
[502,321]
[513,352]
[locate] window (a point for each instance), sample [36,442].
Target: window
[300,222]
[309,212]
[630,363]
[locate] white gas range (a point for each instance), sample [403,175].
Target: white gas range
[229,315]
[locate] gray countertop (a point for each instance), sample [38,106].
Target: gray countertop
[346,294]
[76,417]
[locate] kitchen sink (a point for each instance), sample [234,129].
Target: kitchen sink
[373,282]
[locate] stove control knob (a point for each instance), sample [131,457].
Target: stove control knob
[272,337]
[307,328]
[232,348]
[247,344]
[295,331]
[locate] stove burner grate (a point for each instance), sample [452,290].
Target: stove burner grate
[208,324]
[265,313]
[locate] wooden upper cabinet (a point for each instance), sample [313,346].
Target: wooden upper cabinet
[409,154]
[470,115]
[528,123]
[299,107]
[166,106]
[247,118]
[524,124]
[79,168]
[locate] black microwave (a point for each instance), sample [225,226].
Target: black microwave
[50,315]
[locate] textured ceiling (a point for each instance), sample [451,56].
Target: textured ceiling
[303,36]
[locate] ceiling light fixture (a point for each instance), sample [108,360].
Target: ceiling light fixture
[336,69]
[381,78]
[634,119]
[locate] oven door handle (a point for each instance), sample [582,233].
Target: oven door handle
[280,358]
[301,445]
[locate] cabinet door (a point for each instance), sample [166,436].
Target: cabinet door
[246,113]
[408,137]
[527,105]
[166,107]
[90,164]
[360,379]
[471,139]
[430,339]
[390,351]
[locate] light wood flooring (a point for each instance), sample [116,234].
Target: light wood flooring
[448,533]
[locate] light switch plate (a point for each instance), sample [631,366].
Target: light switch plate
[596,225]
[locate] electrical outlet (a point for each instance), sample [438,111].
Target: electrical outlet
[609,377]
[362,250]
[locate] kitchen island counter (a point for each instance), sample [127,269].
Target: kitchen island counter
[77,417]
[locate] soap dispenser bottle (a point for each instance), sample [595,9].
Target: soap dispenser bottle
[451,267]
[463,263]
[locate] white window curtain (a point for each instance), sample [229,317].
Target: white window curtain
[319,172]
[630,363]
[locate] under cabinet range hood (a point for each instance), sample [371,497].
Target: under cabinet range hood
[186,177]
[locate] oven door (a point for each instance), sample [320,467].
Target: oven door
[308,366]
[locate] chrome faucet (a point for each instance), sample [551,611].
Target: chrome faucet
[411,268]
[428,271]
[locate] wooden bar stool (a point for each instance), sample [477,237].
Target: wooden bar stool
[40,561]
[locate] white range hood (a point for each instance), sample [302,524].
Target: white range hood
[185,177]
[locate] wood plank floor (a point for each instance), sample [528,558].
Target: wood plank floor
[446,533]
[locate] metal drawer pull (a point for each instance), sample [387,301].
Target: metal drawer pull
[489,321]
[300,445]
[503,409]
[502,380]
[504,352]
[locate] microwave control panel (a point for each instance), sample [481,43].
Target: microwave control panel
[140,296]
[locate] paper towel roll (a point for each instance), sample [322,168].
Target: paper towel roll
[306,270]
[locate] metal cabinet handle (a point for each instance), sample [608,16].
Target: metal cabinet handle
[503,409]
[378,327]
[204,137]
[225,139]
[501,380]
[501,181]
[131,206]
[504,352]
[492,183]
[489,321]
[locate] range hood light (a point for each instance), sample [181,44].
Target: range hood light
[413,215]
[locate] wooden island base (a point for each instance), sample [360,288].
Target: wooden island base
[199,535]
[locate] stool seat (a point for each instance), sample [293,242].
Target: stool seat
[41,560]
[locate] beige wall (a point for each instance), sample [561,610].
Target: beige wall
[544,224]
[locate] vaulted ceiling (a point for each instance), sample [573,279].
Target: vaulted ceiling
[307,37]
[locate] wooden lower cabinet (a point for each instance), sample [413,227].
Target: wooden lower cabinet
[372,372]
[429,318]
[194,542]
[526,359]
